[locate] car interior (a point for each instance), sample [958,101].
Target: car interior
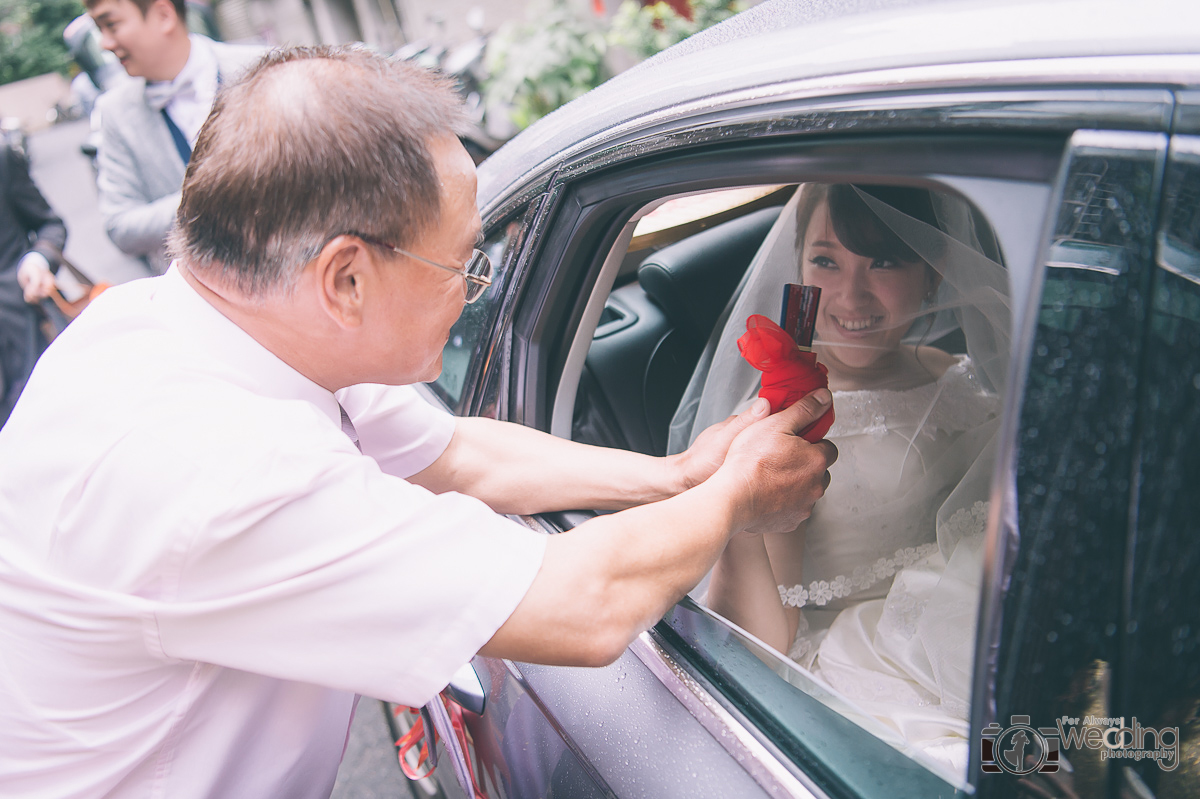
[654,327]
[672,290]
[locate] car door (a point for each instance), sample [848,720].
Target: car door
[696,707]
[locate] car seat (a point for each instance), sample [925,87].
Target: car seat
[653,330]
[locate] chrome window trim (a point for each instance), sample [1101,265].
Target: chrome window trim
[733,736]
[1183,148]
[536,523]
[852,92]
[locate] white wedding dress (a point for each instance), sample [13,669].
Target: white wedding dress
[900,455]
[906,660]
[892,559]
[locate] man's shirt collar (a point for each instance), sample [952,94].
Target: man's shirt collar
[256,367]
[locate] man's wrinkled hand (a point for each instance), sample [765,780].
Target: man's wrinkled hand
[707,452]
[782,474]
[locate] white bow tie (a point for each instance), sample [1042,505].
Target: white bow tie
[159,95]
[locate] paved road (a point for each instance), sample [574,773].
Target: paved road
[369,769]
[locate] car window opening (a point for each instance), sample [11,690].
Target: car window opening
[875,592]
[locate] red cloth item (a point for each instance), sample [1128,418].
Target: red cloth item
[789,373]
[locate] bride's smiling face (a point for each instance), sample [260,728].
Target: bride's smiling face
[867,303]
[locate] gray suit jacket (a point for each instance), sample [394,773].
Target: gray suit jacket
[139,169]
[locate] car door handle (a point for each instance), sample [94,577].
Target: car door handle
[466,689]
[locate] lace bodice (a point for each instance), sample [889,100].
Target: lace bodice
[954,403]
[900,455]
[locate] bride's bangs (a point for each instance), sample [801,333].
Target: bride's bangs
[863,233]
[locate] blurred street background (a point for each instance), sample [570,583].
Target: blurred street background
[514,61]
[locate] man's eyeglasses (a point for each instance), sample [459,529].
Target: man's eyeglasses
[477,271]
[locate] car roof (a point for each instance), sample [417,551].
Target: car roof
[786,41]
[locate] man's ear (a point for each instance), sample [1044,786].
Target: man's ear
[343,273]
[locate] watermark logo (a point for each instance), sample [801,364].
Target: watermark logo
[1019,748]
[1022,749]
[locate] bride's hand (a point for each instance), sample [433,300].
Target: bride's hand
[783,475]
[706,454]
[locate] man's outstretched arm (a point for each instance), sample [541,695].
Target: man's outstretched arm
[517,469]
[606,581]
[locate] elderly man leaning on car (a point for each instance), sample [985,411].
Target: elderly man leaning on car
[199,568]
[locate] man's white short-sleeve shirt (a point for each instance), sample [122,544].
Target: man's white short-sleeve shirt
[198,570]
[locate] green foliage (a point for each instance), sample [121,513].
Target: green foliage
[557,54]
[31,40]
[644,31]
[551,58]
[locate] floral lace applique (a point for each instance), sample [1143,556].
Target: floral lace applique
[822,592]
[903,609]
[966,522]
[802,646]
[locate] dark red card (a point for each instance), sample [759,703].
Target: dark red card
[799,316]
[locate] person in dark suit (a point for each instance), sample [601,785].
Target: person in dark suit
[31,241]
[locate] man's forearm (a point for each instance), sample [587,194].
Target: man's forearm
[518,469]
[614,576]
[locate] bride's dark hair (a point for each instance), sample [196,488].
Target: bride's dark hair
[856,226]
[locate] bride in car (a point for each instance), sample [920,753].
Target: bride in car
[876,593]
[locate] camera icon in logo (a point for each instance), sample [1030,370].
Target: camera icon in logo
[1019,749]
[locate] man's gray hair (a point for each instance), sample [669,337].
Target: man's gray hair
[311,143]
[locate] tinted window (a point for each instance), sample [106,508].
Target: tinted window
[1162,689]
[471,341]
[1062,613]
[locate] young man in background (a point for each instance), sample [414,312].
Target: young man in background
[149,125]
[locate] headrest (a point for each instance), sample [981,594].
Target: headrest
[692,279]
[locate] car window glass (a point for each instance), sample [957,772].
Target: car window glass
[470,340]
[1058,658]
[874,596]
[1162,690]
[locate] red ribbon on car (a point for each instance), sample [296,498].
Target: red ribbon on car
[428,739]
[789,372]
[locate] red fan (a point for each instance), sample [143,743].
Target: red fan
[789,370]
